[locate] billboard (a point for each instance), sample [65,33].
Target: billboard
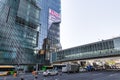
[53,17]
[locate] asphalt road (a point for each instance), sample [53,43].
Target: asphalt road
[104,75]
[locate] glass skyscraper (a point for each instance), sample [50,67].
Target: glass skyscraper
[49,36]
[19,30]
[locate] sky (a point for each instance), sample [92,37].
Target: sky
[88,21]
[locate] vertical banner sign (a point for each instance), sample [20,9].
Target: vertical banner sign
[53,17]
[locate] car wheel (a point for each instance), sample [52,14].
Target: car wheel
[48,74]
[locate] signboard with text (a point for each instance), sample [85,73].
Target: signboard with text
[53,17]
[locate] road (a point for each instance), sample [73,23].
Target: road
[103,75]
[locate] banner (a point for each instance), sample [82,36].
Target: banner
[53,17]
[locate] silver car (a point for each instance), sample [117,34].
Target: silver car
[50,72]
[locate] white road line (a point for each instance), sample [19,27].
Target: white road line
[114,74]
[97,74]
[105,77]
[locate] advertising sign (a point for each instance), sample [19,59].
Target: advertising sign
[53,17]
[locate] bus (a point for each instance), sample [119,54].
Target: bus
[7,70]
[44,68]
[58,67]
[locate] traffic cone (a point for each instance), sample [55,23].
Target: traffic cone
[15,74]
[33,73]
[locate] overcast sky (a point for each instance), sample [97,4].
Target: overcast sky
[87,21]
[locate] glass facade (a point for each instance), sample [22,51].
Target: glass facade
[19,23]
[49,36]
[104,48]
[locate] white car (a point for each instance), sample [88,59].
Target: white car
[50,72]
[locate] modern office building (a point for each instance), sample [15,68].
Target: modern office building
[103,49]
[19,30]
[49,36]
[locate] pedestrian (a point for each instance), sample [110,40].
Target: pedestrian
[60,73]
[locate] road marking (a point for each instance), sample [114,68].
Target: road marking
[4,78]
[27,75]
[97,74]
[113,74]
[106,77]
